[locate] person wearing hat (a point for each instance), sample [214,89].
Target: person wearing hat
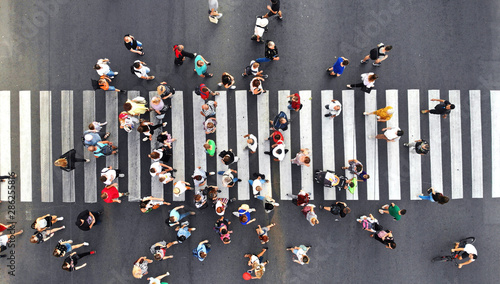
[383,114]
[300,253]
[180,187]
[91,137]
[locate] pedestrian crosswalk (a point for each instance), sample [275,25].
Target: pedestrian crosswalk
[402,175]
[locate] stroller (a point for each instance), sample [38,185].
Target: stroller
[260,29]
[327,178]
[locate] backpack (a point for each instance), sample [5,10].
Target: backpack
[335,209]
[197,91]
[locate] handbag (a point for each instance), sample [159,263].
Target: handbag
[213,20]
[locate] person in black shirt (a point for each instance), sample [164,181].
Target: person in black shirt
[87,219]
[378,54]
[421,146]
[444,107]
[434,196]
[132,44]
[228,157]
[274,9]
[68,160]
[270,53]
[337,208]
[70,263]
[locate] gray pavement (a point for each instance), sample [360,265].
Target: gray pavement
[52,45]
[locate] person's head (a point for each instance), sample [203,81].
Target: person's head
[443,199]
[152,170]
[277,137]
[162,178]
[307,160]
[219,210]
[402,211]
[400,133]
[198,177]
[279,151]
[102,81]
[258,188]
[227,179]
[270,44]
[176,190]
[282,120]
[305,259]
[255,83]
[203,254]
[204,89]
[243,218]
[97,67]
[388,47]
[180,47]
[61,163]
[255,65]
[172,219]
[351,184]
[200,63]
[197,197]
[154,155]
[206,146]
[91,126]
[250,141]
[372,77]
[359,168]
[58,253]
[127,106]
[226,79]
[345,62]
[226,159]
[91,148]
[366,176]
[347,210]
[156,100]
[66,266]
[143,204]
[127,38]
[336,107]
[104,195]
[226,240]
[137,65]
[472,256]
[181,238]
[34,239]
[210,125]
[264,239]
[212,194]
[452,106]
[205,107]
[157,256]
[391,244]
[223,231]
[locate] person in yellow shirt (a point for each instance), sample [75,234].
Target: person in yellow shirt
[383,114]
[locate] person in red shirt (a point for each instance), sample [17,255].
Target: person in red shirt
[205,92]
[301,199]
[110,194]
[294,102]
[277,136]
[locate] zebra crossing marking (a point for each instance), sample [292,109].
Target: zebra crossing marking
[307,174]
[156,185]
[371,145]
[67,143]
[199,137]
[495,143]
[455,119]
[263,126]
[46,169]
[327,139]
[391,97]
[414,134]
[5,144]
[221,134]
[134,160]
[285,165]
[25,152]
[436,154]
[242,130]
[178,149]
[89,169]
[349,135]
[476,138]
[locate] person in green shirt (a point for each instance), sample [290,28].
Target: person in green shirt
[210,147]
[392,210]
[352,184]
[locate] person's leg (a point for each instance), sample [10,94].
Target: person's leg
[425,197]
[152,128]
[78,160]
[380,136]
[260,197]
[290,107]
[220,172]
[250,182]
[111,88]
[262,59]
[358,85]
[139,44]
[183,215]
[187,54]
[110,73]
[82,255]
[365,59]
[261,253]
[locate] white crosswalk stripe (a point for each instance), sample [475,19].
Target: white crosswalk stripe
[396,173]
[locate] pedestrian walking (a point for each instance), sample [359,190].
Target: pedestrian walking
[334,109]
[262,232]
[378,54]
[132,44]
[301,199]
[391,134]
[102,68]
[141,267]
[165,140]
[135,106]
[270,53]
[210,147]
[158,168]
[311,216]
[294,102]
[369,223]
[6,240]
[257,263]
[40,237]
[327,178]
[228,157]
[127,122]
[157,279]
[175,217]
[159,250]
[443,108]
[147,128]
[110,194]
[201,67]
[385,237]
[434,196]
[183,233]
[348,184]
[338,208]
[165,178]
[71,262]
[228,179]
[257,183]
[259,30]
[243,214]
[200,177]
[300,254]
[256,87]
[280,122]
[210,125]
[149,203]
[140,70]
[367,82]
[159,106]
[278,151]
[109,174]
[200,199]
[45,222]
[204,92]
[253,69]
[276,136]
[209,109]
[202,250]
[420,146]
[355,167]
[338,67]
[213,6]
[181,54]
[103,83]
[252,143]
[86,220]
[383,114]
[67,161]
[161,154]
[91,137]
[227,81]
[302,158]
[221,227]
[103,148]
[269,202]
[63,247]
[392,210]
[180,187]
[274,9]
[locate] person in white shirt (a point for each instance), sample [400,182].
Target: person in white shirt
[103,68]
[391,134]
[180,187]
[165,177]
[278,152]
[334,108]
[468,250]
[141,71]
[251,143]
[368,82]
[300,253]
[257,183]
[109,174]
[157,279]
[156,168]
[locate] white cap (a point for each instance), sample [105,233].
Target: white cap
[88,137]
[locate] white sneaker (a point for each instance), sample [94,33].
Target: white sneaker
[60,218]
[232,87]
[145,139]
[86,244]
[167,273]
[116,73]
[219,16]
[64,227]
[121,175]
[219,84]
[164,124]
[365,113]
[371,137]
[87,160]
[211,173]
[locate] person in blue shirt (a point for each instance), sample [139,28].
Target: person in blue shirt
[202,250]
[103,148]
[280,122]
[183,233]
[201,66]
[338,67]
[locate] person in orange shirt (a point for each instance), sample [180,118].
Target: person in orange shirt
[104,84]
[383,114]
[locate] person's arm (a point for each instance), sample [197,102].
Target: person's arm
[251,221]
[445,116]
[167,257]
[437,100]
[81,266]
[203,242]
[234,171]
[386,128]
[178,207]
